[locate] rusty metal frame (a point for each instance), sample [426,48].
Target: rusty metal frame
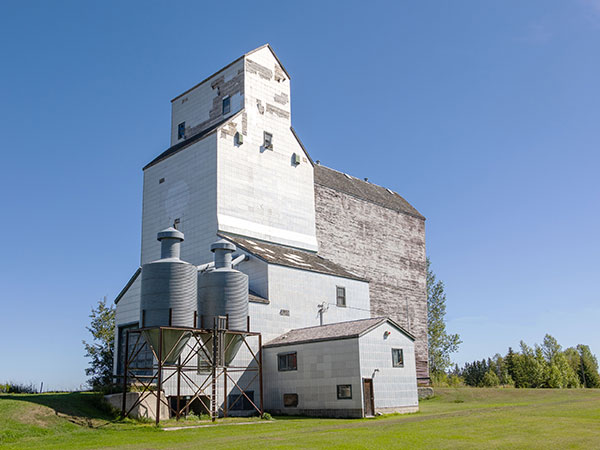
[216,370]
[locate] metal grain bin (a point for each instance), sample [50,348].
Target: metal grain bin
[224,292]
[168,297]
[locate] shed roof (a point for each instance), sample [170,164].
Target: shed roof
[290,257]
[363,190]
[333,331]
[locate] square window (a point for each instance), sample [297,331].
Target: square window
[290,400]
[239,402]
[340,295]
[226,105]
[344,391]
[397,357]
[268,140]
[287,361]
[181,131]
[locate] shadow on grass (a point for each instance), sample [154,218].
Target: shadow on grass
[78,407]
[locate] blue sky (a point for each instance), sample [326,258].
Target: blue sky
[484,115]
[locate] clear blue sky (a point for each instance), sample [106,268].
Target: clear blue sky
[484,115]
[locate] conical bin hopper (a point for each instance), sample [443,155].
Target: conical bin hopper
[174,341]
[230,346]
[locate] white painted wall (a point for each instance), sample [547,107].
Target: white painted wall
[321,367]
[300,292]
[188,193]
[394,387]
[126,312]
[261,193]
[194,106]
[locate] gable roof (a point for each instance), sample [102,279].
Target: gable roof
[363,190]
[231,64]
[189,141]
[274,56]
[282,255]
[333,331]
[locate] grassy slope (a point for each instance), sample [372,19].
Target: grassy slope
[456,418]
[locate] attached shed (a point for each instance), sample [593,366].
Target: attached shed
[346,369]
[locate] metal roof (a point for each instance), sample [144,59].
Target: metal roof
[189,141]
[290,257]
[363,190]
[333,331]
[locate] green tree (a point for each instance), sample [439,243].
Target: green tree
[441,344]
[588,367]
[101,349]
[490,379]
[550,347]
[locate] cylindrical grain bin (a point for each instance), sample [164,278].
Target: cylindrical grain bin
[223,292]
[168,296]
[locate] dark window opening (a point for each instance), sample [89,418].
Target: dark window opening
[142,364]
[290,400]
[181,131]
[237,402]
[226,105]
[161,181]
[397,357]
[287,361]
[340,296]
[268,140]
[344,391]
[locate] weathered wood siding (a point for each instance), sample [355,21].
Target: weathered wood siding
[387,248]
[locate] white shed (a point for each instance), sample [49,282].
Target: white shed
[346,369]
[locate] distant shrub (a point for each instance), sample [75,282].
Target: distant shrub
[18,388]
[446,380]
[267,416]
[490,379]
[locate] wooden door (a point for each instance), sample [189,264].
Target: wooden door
[368,398]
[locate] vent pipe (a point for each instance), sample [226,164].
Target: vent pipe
[222,250]
[170,243]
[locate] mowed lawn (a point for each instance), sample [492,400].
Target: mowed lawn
[455,418]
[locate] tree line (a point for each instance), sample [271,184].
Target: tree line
[541,366]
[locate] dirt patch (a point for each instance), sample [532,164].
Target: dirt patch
[37,415]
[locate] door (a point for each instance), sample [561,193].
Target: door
[368,397]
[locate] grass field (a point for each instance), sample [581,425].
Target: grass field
[455,418]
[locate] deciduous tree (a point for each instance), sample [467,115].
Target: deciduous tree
[441,344]
[100,349]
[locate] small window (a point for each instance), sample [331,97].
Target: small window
[161,181]
[340,296]
[397,357]
[290,400]
[181,131]
[226,105]
[287,361]
[268,140]
[238,401]
[344,391]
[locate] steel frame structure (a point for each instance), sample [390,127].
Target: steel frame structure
[213,356]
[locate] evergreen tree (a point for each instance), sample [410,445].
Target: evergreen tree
[550,347]
[589,367]
[441,344]
[100,350]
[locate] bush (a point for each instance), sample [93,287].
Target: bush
[18,388]
[267,416]
[490,379]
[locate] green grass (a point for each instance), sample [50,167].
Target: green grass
[455,418]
